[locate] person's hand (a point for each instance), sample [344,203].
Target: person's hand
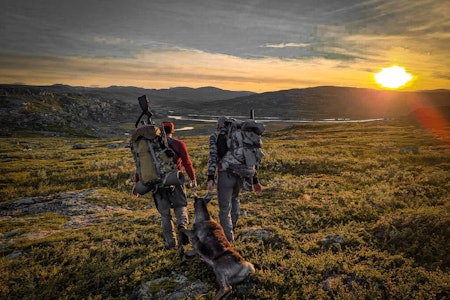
[135,194]
[194,186]
[257,187]
[210,186]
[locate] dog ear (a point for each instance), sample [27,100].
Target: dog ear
[204,200]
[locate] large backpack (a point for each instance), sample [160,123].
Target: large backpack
[153,157]
[244,146]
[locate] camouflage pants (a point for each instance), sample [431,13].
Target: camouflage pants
[228,187]
[165,200]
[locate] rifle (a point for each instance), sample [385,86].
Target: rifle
[145,107]
[144,104]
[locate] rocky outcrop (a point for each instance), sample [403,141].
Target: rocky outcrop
[38,110]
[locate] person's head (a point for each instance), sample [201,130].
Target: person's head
[221,122]
[169,127]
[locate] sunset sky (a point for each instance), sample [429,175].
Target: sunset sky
[255,45]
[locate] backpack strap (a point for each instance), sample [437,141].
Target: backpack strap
[220,137]
[169,142]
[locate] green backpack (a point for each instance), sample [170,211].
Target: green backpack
[153,158]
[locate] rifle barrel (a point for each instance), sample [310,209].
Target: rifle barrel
[137,121]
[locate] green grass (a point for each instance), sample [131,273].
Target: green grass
[347,215]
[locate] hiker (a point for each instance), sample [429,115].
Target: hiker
[228,183]
[174,196]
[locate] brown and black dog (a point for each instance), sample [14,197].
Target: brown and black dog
[210,243]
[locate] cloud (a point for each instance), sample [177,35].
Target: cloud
[160,69]
[253,43]
[287,45]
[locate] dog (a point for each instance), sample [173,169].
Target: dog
[210,243]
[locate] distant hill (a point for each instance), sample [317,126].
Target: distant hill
[328,102]
[129,94]
[68,110]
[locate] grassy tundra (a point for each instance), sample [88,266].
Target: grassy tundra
[349,211]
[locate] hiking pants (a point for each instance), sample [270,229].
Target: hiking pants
[165,199]
[228,187]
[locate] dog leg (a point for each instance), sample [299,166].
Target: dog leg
[189,253]
[223,293]
[222,282]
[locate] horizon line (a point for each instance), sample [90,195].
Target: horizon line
[218,88]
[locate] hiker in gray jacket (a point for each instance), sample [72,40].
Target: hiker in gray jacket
[228,183]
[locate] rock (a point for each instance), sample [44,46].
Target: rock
[409,150]
[175,287]
[79,146]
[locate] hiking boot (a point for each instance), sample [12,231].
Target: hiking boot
[168,246]
[184,238]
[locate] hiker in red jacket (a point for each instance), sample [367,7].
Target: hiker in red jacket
[181,157]
[175,196]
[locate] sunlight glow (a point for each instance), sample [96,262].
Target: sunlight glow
[393,77]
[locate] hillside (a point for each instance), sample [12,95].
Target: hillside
[81,111]
[65,110]
[348,211]
[333,103]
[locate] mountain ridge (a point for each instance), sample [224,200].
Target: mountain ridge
[325,102]
[105,111]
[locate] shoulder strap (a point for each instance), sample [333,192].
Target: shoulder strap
[169,142]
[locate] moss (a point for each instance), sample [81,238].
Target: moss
[346,215]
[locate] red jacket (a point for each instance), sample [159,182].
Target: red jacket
[181,157]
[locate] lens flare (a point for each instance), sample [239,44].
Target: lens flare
[393,77]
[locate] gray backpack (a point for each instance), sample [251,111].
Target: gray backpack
[244,146]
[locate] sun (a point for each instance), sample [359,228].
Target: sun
[393,77]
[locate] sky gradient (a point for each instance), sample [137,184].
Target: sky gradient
[236,45]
